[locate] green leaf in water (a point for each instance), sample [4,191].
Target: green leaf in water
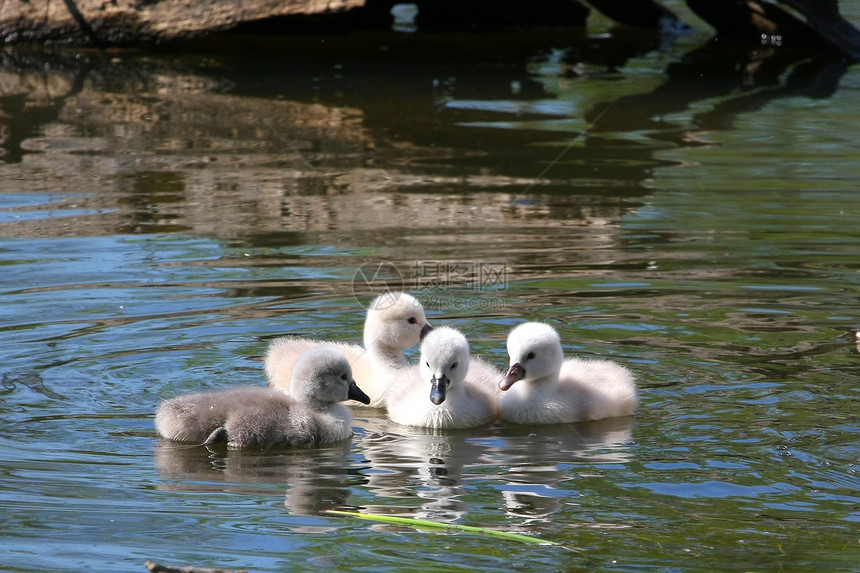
[447,526]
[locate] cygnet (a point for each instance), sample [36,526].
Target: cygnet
[444,391]
[263,417]
[541,387]
[395,321]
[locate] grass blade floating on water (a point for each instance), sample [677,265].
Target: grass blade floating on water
[392,519]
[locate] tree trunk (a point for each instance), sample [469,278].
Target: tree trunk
[132,21]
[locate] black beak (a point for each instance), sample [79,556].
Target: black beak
[356,393]
[515,374]
[424,330]
[438,388]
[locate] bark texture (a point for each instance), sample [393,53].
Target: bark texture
[132,21]
[805,24]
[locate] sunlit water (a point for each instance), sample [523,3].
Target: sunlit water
[163,217]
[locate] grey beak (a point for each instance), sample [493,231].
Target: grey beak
[424,330]
[438,388]
[515,374]
[356,393]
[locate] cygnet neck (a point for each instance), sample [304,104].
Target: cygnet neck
[318,405]
[384,356]
[546,381]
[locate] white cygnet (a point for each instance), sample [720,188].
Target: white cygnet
[395,321]
[444,391]
[257,416]
[541,387]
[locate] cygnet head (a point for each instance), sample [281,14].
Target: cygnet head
[444,361]
[323,375]
[535,351]
[395,320]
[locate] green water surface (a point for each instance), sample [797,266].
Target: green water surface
[691,213]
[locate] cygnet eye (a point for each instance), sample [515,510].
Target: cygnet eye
[412,320]
[344,376]
[428,364]
[530,355]
[454,366]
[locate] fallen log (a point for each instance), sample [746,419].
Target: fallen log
[143,21]
[820,26]
[146,21]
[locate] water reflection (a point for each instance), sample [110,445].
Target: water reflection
[405,463]
[316,479]
[410,472]
[232,200]
[530,467]
[539,464]
[742,81]
[203,145]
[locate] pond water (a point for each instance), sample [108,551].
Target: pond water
[686,209]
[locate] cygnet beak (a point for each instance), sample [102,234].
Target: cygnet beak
[515,374]
[357,394]
[438,388]
[424,330]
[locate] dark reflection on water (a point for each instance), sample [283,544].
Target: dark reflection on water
[687,209]
[308,137]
